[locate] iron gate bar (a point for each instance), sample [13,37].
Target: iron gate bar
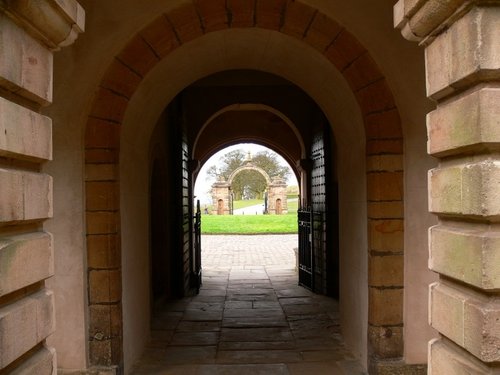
[197,248]
[306,248]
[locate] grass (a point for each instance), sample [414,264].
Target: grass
[249,224]
[247,203]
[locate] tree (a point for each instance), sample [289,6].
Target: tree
[249,183]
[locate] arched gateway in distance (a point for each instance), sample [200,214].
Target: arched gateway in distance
[275,198]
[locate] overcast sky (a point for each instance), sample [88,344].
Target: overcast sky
[204,183]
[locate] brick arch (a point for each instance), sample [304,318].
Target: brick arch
[384,150]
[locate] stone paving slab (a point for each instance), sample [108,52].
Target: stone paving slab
[250,318]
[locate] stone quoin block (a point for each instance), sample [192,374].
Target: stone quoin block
[28,70]
[470,254]
[213,14]
[25,134]
[468,123]
[466,52]
[24,324]
[33,252]
[25,196]
[466,317]
[471,189]
[42,362]
[447,358]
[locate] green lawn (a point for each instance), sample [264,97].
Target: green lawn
[248,224]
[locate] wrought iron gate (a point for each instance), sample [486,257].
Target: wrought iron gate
[197,248]
[306,248]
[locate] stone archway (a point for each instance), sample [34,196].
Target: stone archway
[276,191]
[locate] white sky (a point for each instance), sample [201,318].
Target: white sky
[204,183]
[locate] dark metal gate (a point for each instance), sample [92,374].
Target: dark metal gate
[306,248]
[197,248]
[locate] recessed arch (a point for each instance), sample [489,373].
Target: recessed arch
[249,167]
[188,23]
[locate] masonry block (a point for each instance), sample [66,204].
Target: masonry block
[385,186]
[384,163]
[101,172]
[42,362]
[386,235]
[213,14]
[242,12]
[386,342]
[384,125]
[468,318]
[101,196]
[466,52]
[387,270]
[103,251]
[109,105]
[121,79]
[322,32]
[100,352]
[26,135]
[471,189]
[362,72]
[386,210]
[160,36]
[376,97]
[269,13]
[138,56]
[344,50]
[25,196]
[298,16]
[101,156]
[104,286]
[385,306]
[468,123]
[470,254]
[385,146]
[24,324]
[102,223]
[33,252]
[28,70]
[102,134]
[186,22]
[447,358]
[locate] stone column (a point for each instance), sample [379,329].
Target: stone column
[462,53]
[277,190]
[30,31]
[220,191]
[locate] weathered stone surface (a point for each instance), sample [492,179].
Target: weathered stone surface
[25,196]
[384,163]
[33,252]
[467,318]
[28,71]
[446,358]
[386,306]
[468,253]
[26,134]
[42,362]
[471,189]
[469,123]
[467,52]
[386,235]
[24,324]
[386,270]
[387,342]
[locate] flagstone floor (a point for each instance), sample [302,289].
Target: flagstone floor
[248,319]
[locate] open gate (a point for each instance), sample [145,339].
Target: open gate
[197,248]
[306,248]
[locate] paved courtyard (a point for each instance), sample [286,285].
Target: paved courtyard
[250,318]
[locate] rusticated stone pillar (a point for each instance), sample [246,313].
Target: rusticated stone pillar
[29,33]
[462,48]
